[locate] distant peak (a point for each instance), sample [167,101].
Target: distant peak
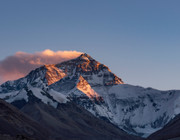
[85,56]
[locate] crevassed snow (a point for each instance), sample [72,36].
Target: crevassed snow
[144,109]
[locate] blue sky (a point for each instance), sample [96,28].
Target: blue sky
[138,39]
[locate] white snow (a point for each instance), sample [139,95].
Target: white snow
[103,111]
[10,94]
[14,96]
[146,131]
[21,95]
[38,93]
[59,97]
[140,106]
[177,106]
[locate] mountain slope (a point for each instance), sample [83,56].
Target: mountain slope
[94,87]
[69,121]
[14,124]
[170,131]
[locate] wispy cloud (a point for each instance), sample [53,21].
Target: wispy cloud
[21,63]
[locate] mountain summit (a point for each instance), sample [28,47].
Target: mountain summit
[91,85]
[84,65]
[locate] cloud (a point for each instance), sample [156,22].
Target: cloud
[21,63]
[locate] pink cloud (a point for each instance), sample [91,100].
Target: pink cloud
[21,63]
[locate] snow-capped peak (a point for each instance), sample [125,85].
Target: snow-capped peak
[93,86]
[85,56]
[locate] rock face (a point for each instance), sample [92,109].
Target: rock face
[53,74]
[91,85]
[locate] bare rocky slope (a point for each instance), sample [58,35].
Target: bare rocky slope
[44,122]
[16,125]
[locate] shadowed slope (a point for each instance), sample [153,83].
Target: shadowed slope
[14,123]
[71,122]
[170,131]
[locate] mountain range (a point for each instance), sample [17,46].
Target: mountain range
[82,99]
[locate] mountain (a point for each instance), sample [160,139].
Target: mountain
[67,121]
[171,131]
[91,85]
[72,122]
[44,122]
[16,125]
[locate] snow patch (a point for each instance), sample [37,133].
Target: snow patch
[59,97]
[39,94]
